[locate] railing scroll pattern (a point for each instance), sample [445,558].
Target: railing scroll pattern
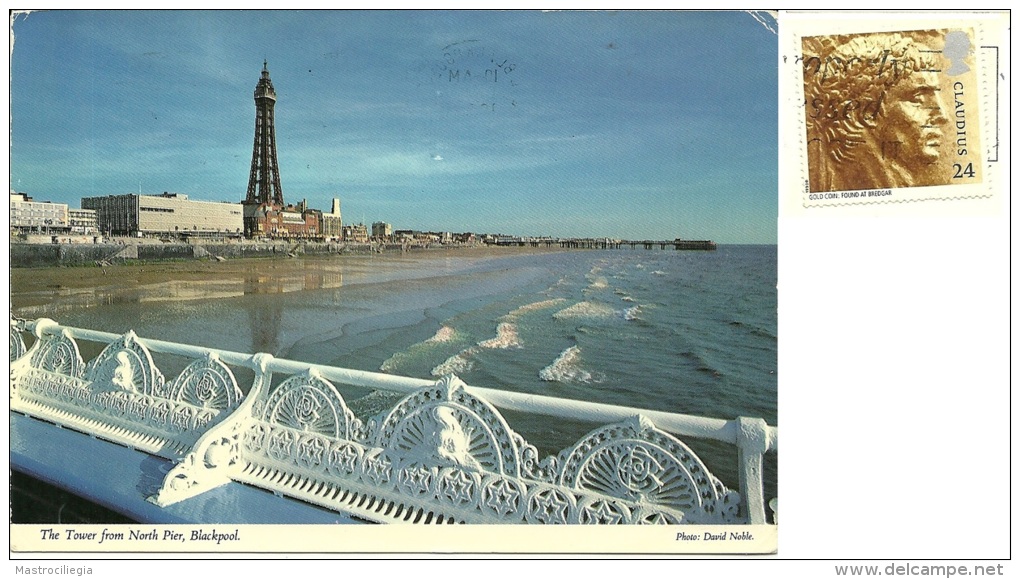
[442,454]
[120,395]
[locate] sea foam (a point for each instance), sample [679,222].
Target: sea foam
[456,364]
[567,368]
[632,313]
[506,337]
[444,335]
[531,308]
[586,310]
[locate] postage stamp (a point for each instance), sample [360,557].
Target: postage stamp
[891,115]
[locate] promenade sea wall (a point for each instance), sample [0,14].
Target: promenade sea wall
[84,254]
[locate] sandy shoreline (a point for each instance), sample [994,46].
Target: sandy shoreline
[44,285]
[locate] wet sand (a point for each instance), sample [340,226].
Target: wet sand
[66,286]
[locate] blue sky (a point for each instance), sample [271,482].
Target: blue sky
[634,125]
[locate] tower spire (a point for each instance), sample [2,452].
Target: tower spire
[264,177]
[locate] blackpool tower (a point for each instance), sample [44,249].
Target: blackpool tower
[264,178]
[265,214]
[264,203]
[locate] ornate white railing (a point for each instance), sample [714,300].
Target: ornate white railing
[442,454]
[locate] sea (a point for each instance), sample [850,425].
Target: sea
[692,332]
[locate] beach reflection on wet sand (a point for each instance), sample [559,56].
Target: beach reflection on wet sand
[47,291]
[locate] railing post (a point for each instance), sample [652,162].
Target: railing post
[752,442]
[41,325]
[263,375]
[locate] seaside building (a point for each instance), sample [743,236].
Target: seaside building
[265,213]
[356,233]
[83,221]
[332,224]
[29,216]
[169,214]
[382,230]
[421,238]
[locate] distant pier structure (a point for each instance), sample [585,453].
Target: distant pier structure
[605,243]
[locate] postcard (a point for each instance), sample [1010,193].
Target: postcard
[453,283]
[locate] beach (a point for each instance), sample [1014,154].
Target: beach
[58,286]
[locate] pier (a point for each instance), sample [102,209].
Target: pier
[604,243]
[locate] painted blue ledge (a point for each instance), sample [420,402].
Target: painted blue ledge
[120,479]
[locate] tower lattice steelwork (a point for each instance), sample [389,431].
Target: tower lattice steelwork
[264,179]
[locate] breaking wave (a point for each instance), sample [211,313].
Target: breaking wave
[531,308]
[444,335]
[567,368]
[632,313]
[506,337]
[457,364]
[586,310]
[393,362]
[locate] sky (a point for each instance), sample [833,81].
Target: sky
[623,124]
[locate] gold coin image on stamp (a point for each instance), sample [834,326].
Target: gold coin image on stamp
[891,110]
